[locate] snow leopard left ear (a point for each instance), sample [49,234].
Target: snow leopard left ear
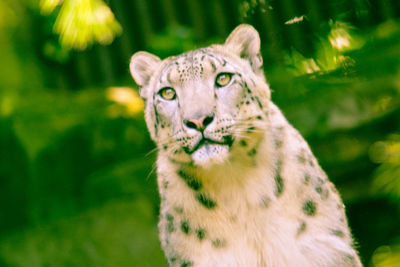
[245,42]
[142,66]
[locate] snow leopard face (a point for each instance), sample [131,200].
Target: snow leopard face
[204,104]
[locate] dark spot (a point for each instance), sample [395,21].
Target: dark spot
[201,233]
[265,200]
[247,102]
[178,210]
[206,201]
[278,179]
[310,207]
[318,189]
[213,66]
[279,185]
[302,228]
[259,103]
[348,260]
[173,259]
[259,118]
[165,184]
[218,243]
[170,223]
[278,143]
[301,159]
[306,179]
[243,142]
[186,264]
[185,227]
[192,182]
[252,152]
[165,147]
[337,232]
[250,129]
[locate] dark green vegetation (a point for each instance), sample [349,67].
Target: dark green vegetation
[76,180]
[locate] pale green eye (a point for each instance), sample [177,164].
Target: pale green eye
[167,93]
[223,79]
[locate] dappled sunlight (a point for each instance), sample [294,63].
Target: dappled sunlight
[299,64]
[330,50]
[387,175]
[382,104]
[8,16]
[386,256]
[83,22]
[124,97]
[340,36]
[6,106]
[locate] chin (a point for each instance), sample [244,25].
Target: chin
[209,155]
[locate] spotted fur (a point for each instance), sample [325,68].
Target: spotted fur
[239,185]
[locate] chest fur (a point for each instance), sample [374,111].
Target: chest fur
[256,211]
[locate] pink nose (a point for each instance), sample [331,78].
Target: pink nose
[199,124]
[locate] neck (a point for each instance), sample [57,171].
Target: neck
[242,168]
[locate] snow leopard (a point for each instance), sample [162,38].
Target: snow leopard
[239,186]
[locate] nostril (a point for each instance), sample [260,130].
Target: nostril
[190,124]
[207,120]
[199,124]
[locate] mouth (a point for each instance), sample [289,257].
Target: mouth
[227,141]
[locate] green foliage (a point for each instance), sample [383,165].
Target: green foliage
[81,182]
[174,40]
[356,107]
[330,51]
[110,235]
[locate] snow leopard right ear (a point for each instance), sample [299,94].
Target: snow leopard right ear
[245,42]
[142,66]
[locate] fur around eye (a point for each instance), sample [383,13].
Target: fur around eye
[223,79]
[167,93]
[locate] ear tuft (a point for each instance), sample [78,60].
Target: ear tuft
[142,66]
[245,42]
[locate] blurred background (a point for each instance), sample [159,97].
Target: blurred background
[77,183]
